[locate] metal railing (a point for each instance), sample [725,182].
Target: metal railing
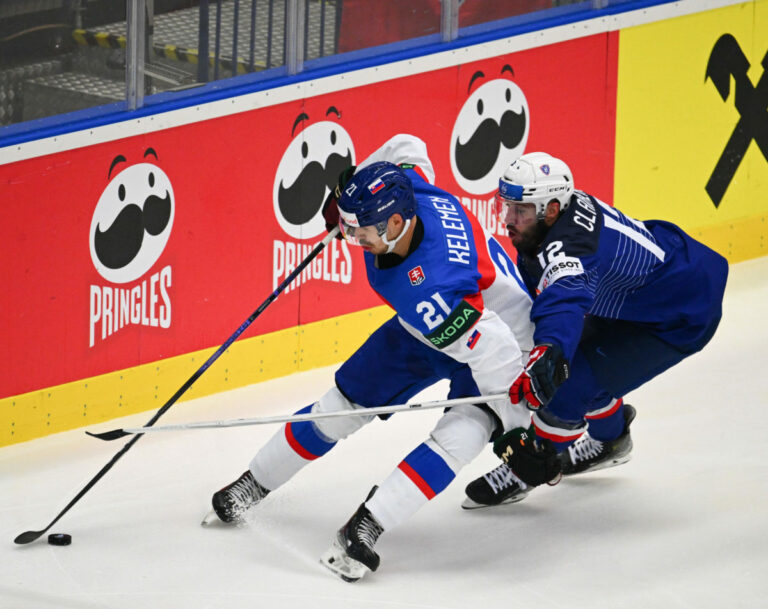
[81,54]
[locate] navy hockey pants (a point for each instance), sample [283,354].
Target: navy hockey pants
[613,358]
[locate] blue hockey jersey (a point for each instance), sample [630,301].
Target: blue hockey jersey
[457,271]
[457,291]
[595,260]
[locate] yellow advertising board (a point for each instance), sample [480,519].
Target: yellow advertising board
[692,126]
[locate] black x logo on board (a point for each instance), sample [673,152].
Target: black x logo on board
[726,60]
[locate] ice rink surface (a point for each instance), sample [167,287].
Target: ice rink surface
[682,525]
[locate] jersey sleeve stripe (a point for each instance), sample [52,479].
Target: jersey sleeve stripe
[635,236]
[476,302]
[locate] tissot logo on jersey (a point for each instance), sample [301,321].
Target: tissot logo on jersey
[560,267]
[457,239]
[416,276]
[130,228]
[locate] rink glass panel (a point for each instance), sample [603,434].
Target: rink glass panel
[60,56]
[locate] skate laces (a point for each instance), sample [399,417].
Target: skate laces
[585,448]
[502,477]
[246,490]
[369,530]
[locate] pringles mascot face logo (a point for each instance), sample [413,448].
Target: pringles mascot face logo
[129,231]
[490,132]
[307,172]
[132,221]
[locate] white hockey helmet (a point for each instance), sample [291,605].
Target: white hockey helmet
[538,178]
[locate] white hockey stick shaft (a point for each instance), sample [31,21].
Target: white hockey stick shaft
[314,416]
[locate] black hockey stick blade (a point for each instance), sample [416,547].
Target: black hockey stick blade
[28,537]
[114,434]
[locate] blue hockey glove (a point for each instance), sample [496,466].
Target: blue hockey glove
[534,460]
[331,203]
[545,371]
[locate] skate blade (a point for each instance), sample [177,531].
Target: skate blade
[604,465]
[211,519]
[612,463]
[338,562]
[469,504]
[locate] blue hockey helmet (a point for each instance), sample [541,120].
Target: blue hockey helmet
[375,193]
[371,196]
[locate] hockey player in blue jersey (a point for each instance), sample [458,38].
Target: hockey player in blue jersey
[462,313]
[617,302]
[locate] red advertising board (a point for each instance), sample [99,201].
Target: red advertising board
[136,250]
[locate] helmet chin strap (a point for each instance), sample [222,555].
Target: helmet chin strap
[391,244]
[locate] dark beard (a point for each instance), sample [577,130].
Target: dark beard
[531,238]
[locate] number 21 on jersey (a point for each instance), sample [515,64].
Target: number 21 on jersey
[432,318]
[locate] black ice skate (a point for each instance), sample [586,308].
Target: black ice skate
[232,502]
[587,454]
[497,487]
[351,556]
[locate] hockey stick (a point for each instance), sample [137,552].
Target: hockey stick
[295,418]
[29,536]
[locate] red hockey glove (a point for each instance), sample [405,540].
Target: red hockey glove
[331,203]
[545,371]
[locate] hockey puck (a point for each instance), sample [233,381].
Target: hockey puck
[59,539]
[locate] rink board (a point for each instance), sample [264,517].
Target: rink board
[236,202]
[228,239]
[674,126]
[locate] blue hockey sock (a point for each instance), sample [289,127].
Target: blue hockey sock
[306,439]
[607,428]
[427,470]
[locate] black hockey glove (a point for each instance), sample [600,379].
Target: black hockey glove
[331,203]
[545,371]
[534,460]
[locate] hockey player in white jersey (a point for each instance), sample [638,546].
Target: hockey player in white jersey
[462,313]
[617,302]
